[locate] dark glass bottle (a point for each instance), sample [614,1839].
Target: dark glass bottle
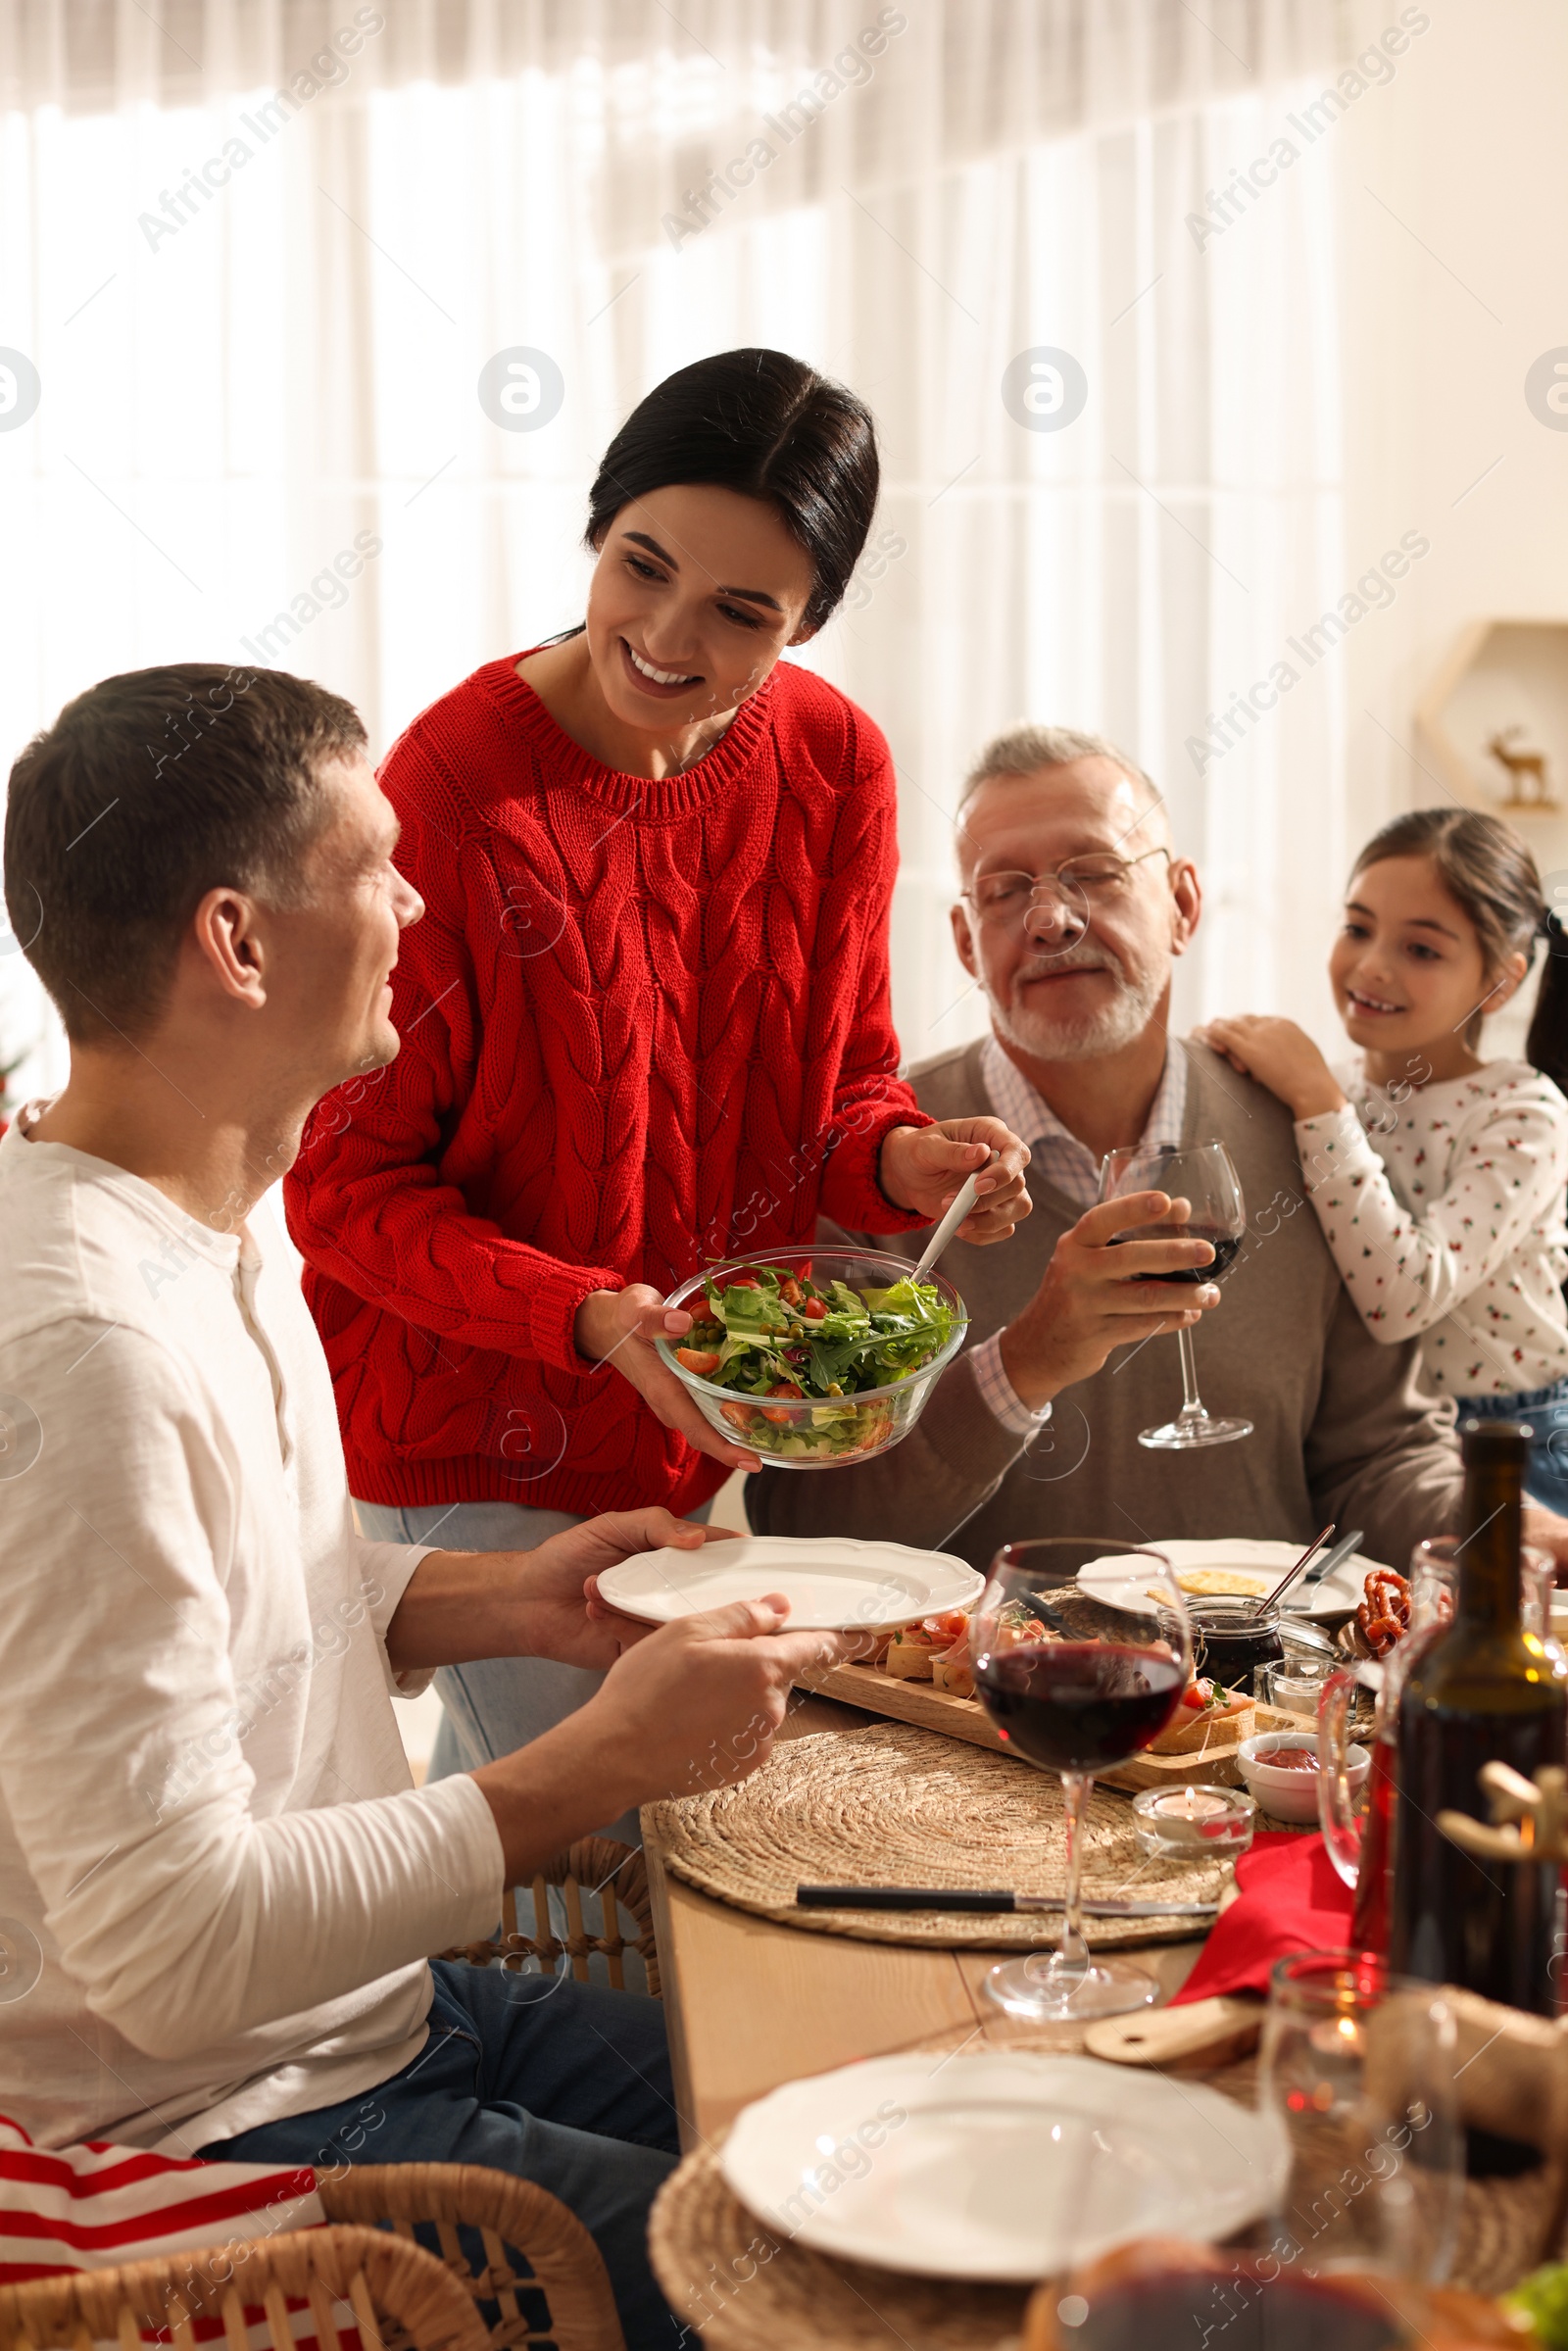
[1483,1692]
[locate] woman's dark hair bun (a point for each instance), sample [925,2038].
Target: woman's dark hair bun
[765,425]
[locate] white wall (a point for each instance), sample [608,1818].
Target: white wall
[1453,223]
[1446,191]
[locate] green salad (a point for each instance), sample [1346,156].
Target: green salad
[1542,2298]
[782,1340]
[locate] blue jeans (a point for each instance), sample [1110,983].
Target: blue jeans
[498,1704]
[559,2082]
[1547,1411]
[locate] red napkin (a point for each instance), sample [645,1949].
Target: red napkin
[1292,1899]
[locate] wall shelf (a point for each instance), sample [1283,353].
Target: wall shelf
[1503,675]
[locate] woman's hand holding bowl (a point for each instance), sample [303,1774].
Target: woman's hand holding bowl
[618,1329]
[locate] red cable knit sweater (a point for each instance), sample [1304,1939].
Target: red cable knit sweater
[645,1026]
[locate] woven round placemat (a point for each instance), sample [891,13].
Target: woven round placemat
[744,2288]
[897,1806]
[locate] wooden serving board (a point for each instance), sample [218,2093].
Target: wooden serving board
[932,1709]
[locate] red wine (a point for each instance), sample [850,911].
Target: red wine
[1243,2311]
[1225,1246]
[1481,1692]
[1078,1706]
[1484,1924]
[1369,1923]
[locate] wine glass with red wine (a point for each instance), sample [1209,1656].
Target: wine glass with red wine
[1203,1175]
[1082,1650]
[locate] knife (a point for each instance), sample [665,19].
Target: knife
[976,1898]
[1332,1558]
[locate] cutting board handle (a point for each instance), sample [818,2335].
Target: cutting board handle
[1217,2030]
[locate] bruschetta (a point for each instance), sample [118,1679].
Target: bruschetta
[912,1648]
[1208,1716]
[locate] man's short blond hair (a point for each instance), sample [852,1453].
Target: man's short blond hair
[1025,749]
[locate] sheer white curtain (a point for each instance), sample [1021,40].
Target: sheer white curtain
[260,251]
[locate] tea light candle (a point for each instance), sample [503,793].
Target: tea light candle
[1213,1823]
[1188,1805]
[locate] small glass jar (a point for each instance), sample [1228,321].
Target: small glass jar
[1231,1643]
[1194,1822]
[1297,1683]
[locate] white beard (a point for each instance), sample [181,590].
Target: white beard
[1091,1037]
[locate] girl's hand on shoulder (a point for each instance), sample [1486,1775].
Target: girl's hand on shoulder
[1281,1057]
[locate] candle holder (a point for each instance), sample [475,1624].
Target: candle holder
[1194,1822]
[1295,1685]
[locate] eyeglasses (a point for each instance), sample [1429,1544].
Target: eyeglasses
[1082,881]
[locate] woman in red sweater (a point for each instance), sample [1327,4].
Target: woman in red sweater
[644,1019]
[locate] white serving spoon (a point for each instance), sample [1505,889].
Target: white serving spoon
[952,1221]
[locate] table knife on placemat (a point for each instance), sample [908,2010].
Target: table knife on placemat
[978,1898]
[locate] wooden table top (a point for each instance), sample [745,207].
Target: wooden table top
[750,2004]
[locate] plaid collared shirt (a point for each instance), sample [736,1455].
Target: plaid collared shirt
[1059,1156]
[1071,1166]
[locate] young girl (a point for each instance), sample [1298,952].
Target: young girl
[1439,1177]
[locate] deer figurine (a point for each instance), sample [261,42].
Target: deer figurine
[1529,786]
[1529,1817]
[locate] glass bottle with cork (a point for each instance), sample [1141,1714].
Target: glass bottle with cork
[1485,1691]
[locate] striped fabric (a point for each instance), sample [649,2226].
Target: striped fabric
[96,2206]
[93,2206]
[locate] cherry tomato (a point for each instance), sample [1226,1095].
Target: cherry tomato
[816,1310]
[789,1291]
[697,1359]
[743,1281]
[784,1388]
[740,1417]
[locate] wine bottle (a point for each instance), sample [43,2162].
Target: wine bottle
[1484,1691]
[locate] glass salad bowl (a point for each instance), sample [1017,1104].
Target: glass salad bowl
[815,1357]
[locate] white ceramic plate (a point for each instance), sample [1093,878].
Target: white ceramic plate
[832,1586]
[1005,2165]
[1262,1563]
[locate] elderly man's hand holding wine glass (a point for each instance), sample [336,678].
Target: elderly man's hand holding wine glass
[1108,1287]
[1204,1175]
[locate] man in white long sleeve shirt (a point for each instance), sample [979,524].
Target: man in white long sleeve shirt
[217,1885]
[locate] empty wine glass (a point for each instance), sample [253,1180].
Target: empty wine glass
[1204,1176]
[1358,2068]
[1078,1670]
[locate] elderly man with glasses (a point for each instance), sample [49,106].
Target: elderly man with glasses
[1075,903]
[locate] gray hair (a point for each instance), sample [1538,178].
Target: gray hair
[1025,749]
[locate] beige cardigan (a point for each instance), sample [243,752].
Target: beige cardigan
[1341,1429]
